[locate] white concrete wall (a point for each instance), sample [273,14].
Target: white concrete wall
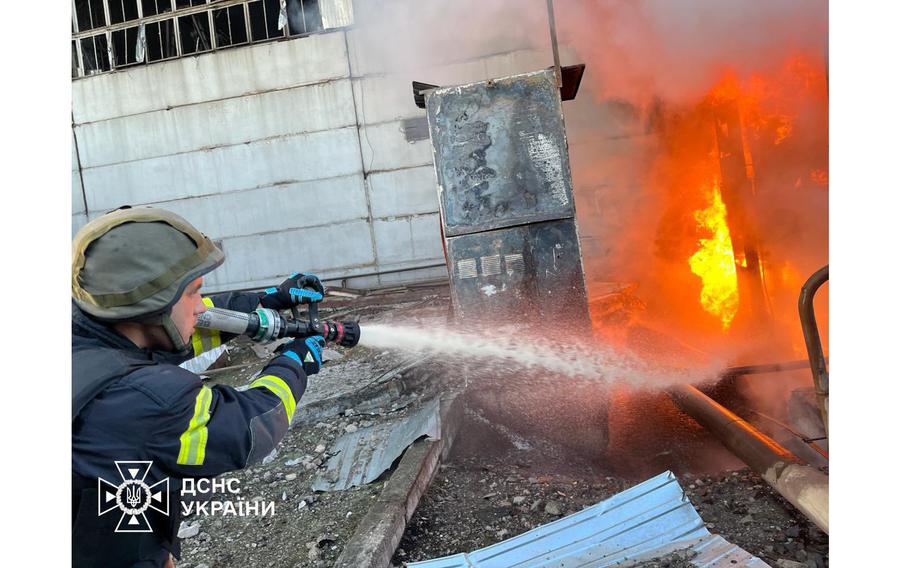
[291,154]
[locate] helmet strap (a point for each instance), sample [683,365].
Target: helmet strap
[180,346]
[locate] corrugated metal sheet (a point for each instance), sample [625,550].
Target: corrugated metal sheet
[709,552]
[716,552]
[652,518]
[362,456]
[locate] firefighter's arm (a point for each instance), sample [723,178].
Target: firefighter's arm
[212,430]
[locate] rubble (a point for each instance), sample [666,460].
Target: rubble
[475,500]
[307,529]
[462,509]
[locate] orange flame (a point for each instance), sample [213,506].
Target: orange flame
[714,262]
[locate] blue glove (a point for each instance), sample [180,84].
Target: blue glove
[307,352]
[299,288]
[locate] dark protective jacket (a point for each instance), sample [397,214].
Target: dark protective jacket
[132,404]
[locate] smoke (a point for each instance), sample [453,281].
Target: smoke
[642,148]
[401,38]
[676,50]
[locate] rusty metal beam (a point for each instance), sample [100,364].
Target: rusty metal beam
[805,487]
[555,46]
[738,194]
[765,368]
[813,339]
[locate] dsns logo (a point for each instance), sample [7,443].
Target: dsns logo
[133,496]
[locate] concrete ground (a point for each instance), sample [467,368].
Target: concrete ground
[511,468]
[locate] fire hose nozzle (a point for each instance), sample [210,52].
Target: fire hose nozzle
[266,325]
[344,333]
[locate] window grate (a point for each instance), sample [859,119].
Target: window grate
[113,34]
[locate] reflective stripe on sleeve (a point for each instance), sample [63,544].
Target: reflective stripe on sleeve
[281,390]
[192,441]
[205,339]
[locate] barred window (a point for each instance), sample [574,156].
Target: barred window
[114,34]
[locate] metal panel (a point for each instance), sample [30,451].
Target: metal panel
[385,148]
[531,272]
[707,552]
[211,76]
[403,192]
[500,153]
[715,551]
[290,159]
[276,208]
[375,103]
[641,519]
[361,456]
[505,193]
[261,260]
[79,220]
[78,204]
[415,129]
[408,239]
[211,124]
[432,273]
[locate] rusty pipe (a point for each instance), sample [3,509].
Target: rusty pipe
[805,487]
[813,339]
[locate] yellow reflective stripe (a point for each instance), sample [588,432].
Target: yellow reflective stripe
[205,339]
[197,343]
[192,441]
[281,390]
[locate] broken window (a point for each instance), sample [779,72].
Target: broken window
[76,66]
[195,33]
[336,13]
[89,14]
[160,40]
[230,26]
[109,34]
[95,57]
[264,20]
[304,16]
[127,49]
[123,10]
[155,7]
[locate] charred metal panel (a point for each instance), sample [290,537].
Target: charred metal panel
[532,271]
[505,193]
[500,152]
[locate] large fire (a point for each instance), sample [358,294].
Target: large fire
[727,216]
[714,262]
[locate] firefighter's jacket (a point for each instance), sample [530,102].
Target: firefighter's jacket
[147,408]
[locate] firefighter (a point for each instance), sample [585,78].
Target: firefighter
[137,274]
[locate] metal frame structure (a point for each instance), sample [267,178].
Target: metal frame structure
[813,339]
[106,29]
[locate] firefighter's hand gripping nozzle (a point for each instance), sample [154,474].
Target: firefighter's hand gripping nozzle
[265,325]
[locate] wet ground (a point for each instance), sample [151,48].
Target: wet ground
[489,491]
[530,451]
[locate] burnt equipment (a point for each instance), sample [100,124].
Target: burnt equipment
[505,196]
